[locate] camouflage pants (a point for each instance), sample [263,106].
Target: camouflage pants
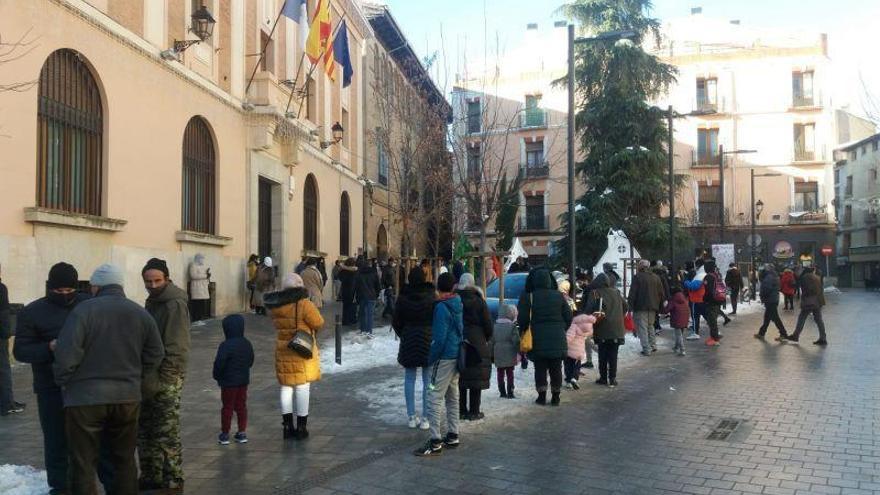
[159,449]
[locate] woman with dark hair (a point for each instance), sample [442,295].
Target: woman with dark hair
[608,306]
[412,319]
[543,308]
[478,331]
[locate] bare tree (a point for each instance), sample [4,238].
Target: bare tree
[11,51]
[870,101]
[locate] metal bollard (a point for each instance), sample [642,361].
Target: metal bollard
[338,335]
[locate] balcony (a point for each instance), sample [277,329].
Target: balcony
[706,107]
[801,154]
[806,101]
[534,223]
[706,159]
[533,117]
[804,156]
[797,216]
[535,171]
[870,218]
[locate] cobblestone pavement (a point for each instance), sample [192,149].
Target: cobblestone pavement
[809,423]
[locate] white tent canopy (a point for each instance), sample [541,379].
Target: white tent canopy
[617,251]
[516,251]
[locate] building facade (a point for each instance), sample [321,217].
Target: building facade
[123,150]
[762,98]
[510,119]
[405,157]
[858,210]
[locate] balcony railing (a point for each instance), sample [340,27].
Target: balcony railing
[802,101]
[535,171]
[534,223]
[707,159]
[801,155]
[533,117]
[708,107]
[798,216]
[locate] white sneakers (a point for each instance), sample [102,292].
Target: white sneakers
[415,422]
[424,425]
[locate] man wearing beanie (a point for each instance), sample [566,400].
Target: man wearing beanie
[106,345]
[159,448]
[37,329]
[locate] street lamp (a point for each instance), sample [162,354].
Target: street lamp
[606,36]
[202,25]
[757,208]
[338,133]
[721,154]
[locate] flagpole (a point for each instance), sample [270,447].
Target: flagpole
[315,64]
[263,51]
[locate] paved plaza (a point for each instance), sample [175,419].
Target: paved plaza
[808,422]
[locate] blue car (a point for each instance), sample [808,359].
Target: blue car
[514,284]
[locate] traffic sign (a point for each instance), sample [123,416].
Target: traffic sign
[827,250]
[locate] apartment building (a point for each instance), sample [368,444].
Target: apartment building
[406,156]
[764,97]
[858,207]
[138,139]
[510,119]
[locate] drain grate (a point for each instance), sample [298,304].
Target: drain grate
[724,429]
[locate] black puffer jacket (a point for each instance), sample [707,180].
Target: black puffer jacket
[413,314]
[38,324]
[235,356]
[547,313]
[366,284]
[478,331]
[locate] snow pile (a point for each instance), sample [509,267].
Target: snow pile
[359,353]
[832,290]
[22,480]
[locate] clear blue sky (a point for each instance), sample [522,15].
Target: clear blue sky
[851,24]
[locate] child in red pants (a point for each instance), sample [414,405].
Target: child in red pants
[232,370]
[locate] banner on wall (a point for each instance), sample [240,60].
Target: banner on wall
[724,255]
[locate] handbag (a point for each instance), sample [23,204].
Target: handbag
[629,323]
[525,341]
[468,356]
[302,341]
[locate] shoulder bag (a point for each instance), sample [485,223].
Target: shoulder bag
[525,342]
[302,342]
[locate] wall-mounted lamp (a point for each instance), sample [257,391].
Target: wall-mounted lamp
[338,133]
[202,26]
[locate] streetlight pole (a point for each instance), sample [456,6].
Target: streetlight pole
[669,117]
[572,245]
[721,191]
[752,237]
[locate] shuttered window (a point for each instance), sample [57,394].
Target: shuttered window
[344,225]
[198,203]
[310,214]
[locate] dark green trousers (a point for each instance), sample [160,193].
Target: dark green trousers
[86,428]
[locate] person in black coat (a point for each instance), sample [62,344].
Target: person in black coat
[37,329]
[478,331]
[232,370]
[412,320]
[347,274]
[366,287]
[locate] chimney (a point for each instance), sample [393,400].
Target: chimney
[560,24]
[735,22]
[532,26]
[696,10]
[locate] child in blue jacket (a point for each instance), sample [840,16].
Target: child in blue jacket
[232,370]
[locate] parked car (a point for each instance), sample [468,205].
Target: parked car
[514,284]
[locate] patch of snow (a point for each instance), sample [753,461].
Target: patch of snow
[359,352]
[832,290]
[22,480]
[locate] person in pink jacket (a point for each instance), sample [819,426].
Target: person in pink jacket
[581,328]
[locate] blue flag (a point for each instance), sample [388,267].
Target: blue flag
[293,10]
[340,54]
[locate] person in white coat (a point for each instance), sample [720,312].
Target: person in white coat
[199,296]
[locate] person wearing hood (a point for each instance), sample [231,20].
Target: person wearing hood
[367,288]
[478,331]
[505,349]
[36,333]
[265,282]
[292,311]
[679,312]
[608,307]
[543,309]
[412,325]
[347,292]
[199,295]
[314,282]
[104,354]
[447,333]
[232,371]
[159,448]
[770,286]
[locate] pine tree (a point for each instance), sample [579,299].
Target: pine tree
[622,137]
[506,219]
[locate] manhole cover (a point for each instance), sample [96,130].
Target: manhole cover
[724,429]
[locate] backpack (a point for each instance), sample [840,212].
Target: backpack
[720,294]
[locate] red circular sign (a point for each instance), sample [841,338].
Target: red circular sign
[827,250]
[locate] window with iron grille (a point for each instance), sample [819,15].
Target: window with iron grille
[535,213]
[382,157]
[849,186]
[310,214]
[847,215]
[198,203]
[70,132]
[707,93]
[707,146]
[474,168]
[802,89]
[710,204]
[474,116]
[804,142]
[806,196]
[344,225]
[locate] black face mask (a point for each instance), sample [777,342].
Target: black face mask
[61,299]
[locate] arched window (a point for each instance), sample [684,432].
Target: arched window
[198,201]
[381,242]
[344,225]
[310,214]
[70,132]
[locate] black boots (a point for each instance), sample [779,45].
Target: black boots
[554,399]
[301,432]
[287,423]
[542,398]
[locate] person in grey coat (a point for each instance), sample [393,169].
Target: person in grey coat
[107,344]
[505,349]
[645,299]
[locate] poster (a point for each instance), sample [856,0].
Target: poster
[724,255]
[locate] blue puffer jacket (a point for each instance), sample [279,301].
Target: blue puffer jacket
[235,356]
[446,329]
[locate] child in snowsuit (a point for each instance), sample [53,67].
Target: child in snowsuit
[232,370]
[581,328]
[679,318]
[505,349]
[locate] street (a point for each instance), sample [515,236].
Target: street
[808,422]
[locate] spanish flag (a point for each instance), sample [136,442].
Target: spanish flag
[319,32]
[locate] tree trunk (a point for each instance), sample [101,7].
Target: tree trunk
[482,279]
